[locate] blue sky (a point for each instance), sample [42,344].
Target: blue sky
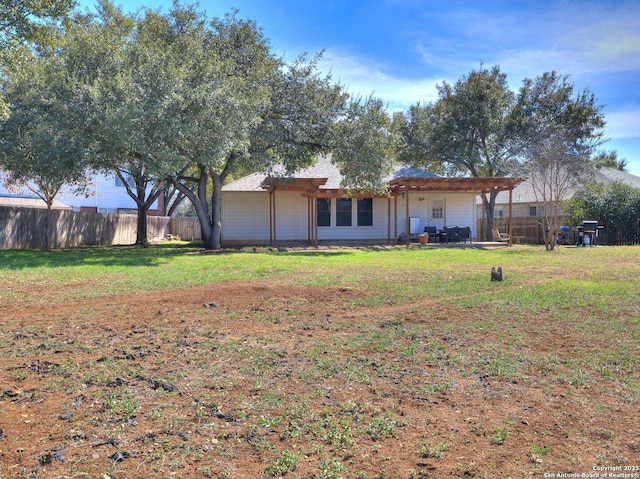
[399,50]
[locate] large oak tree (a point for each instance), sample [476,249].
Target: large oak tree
[464,132]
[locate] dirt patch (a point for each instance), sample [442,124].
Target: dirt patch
[260,380]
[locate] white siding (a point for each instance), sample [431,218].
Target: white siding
[378,231]
[245,217]
[103,194]
[460,210]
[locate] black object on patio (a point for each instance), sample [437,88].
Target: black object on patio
[588,233]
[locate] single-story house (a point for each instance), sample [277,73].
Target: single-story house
[525,204]
[311,206]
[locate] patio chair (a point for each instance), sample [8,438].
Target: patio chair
[452,233]
[434,236]
[465,234]
[497,236]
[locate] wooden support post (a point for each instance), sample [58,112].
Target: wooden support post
[388,220]
[510,217]
[395,220]
[408,221]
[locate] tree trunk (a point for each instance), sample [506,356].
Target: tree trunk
[489,208]
[141,233]
[216,211]
[201,205]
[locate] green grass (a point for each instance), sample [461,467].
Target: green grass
[430,326]
[401,273]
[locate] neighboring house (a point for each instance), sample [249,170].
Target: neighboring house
[311,206]
[105,193]
[524,199]
[30,202]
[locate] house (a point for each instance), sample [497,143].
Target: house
[105,193]
[312,206]
[524,199]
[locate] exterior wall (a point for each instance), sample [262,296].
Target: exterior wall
[102,195]
[245,217]
[460,210]
[378,231]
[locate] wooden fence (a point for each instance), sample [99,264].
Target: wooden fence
[187,229]
[526,230]
[31,228]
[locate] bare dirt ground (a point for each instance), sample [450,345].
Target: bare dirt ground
[259,380]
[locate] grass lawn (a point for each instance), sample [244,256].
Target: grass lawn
[353,363]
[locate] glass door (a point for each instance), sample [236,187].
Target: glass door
[436,213]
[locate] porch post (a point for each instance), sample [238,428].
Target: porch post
[485,231]
[270,218]
[510,219]
[407,220]
[395,220]
[388,220]
[314,219]
[309,226]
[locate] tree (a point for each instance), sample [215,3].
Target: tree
[553,170]
[616,206]
[558,130]
[244,110]
[31,20]
[610,159]
[465,132]
[41,145]
[365,145]
[129,83]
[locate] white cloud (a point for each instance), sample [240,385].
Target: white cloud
[362,76]
[623,124]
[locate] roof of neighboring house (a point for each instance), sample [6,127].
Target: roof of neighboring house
[523,193]
[22,202]
[608,175]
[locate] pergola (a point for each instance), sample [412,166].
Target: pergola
[311,189]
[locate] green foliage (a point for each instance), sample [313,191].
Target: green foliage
[31,20]
[465,130]
[616,206]
[285,463]
[123,403]
[43,146]
[499,435]
[430,450]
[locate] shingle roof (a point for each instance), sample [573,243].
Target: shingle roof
[19,201]
[323,168]
[523,193]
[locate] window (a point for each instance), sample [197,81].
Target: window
[324,211]
[437,209]
[128,178]
[536,210]
[365,212]
[343,212]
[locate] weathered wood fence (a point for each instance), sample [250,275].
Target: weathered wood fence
[32,228]
[526,230]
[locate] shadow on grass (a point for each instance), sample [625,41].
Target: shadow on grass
[90,256]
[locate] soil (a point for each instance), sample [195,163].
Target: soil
[247,380]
